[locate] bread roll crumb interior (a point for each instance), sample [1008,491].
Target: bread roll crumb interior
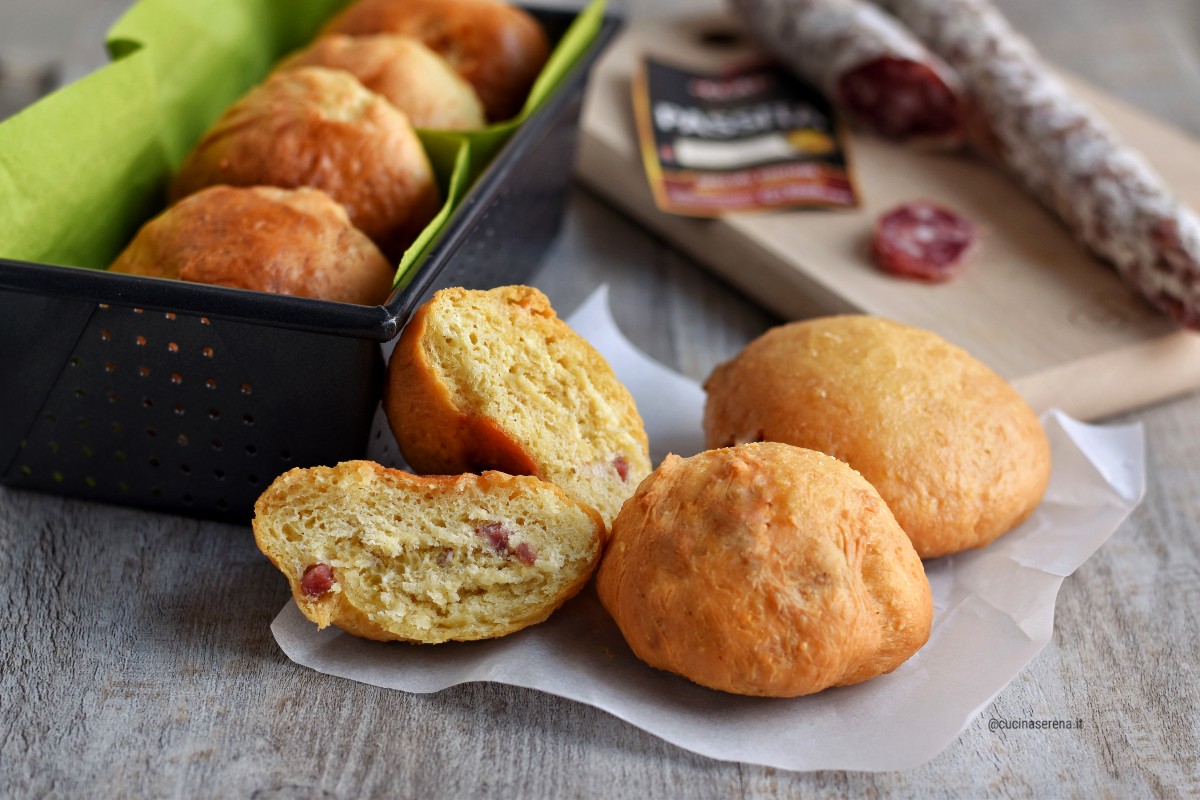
[494,380]
[389,555]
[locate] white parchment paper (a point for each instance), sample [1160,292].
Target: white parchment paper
[993,611]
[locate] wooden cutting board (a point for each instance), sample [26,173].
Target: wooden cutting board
[1034,305]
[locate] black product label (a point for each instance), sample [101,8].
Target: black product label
[753,139]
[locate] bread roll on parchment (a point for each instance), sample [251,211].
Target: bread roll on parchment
[764,569]
[957,454]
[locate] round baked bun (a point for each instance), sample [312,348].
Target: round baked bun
[959,457]
[412,77]
[287,241]
[387,555]
[764,569]
[495,380]
[498,48]
[320,128]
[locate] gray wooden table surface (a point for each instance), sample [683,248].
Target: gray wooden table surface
[137,660]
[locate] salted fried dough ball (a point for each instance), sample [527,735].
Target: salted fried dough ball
[498,48]
[288,241]
[957,454]
[764,569]
[320,128]
[412,77]
[495,380]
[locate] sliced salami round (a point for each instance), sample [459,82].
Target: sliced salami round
[923,241]
[865,61]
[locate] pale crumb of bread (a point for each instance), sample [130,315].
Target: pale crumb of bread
[504,355]
[408,557]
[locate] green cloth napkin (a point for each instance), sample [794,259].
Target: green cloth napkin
[83,168]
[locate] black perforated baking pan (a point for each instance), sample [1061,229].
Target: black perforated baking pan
[190,399]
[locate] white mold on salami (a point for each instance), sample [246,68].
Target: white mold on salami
[1064,153]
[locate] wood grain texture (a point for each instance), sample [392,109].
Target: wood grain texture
[137,659]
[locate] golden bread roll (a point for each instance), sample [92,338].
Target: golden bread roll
[319,127]
[498,48]
[959,457]
[287,241]
[412,77]
[764,569]
[387,555]
[495,380]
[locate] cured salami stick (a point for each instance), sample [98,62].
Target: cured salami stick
[865,62]
[1064,153]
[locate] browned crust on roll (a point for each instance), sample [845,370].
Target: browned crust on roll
[764,569]
[288,241]
[405,558]
[320,128]
[438,437]
[957,454]
[498,48]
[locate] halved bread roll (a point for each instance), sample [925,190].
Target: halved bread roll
[495,380]
[388,555]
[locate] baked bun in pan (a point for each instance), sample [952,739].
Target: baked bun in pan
[412,77]
[288,241]
[320,128]
[498,48]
